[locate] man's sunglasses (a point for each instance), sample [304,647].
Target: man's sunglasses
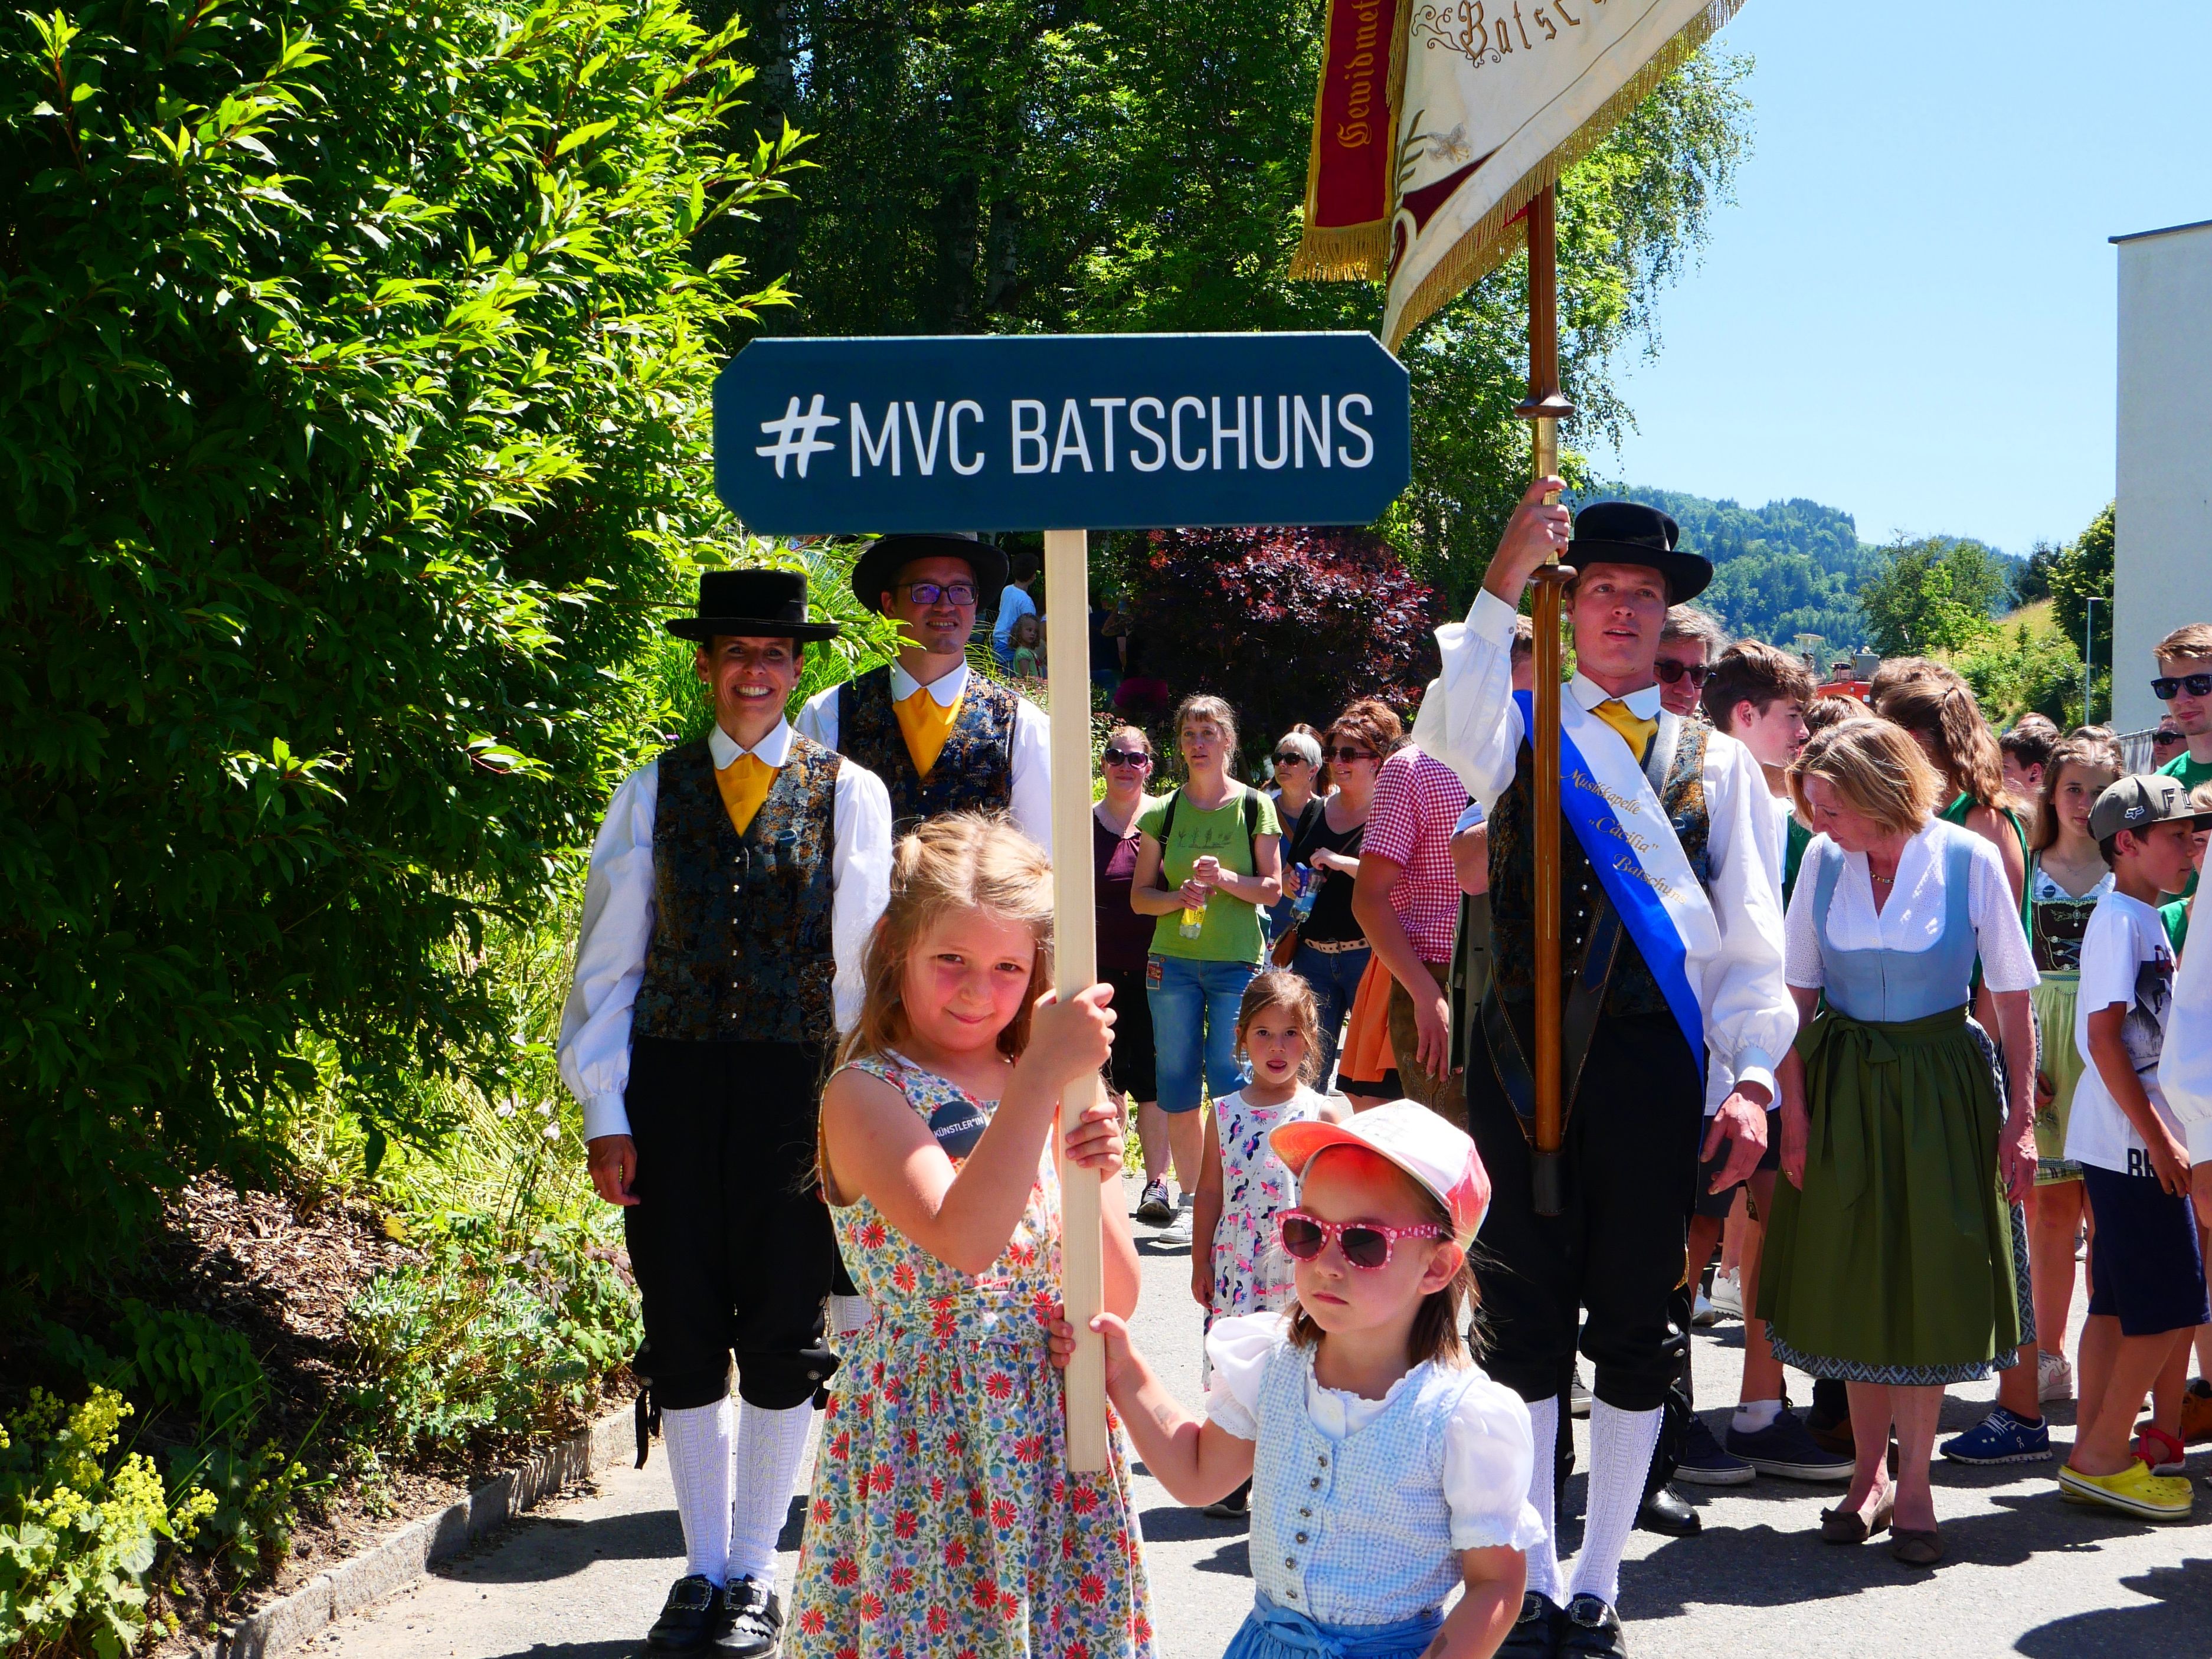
[951,592]
[2166,688]
[1127,757]
[1698,672]
[2164,739]
[1365,1244]
[1346,757]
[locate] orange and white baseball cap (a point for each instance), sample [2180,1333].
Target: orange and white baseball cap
[1441,1159]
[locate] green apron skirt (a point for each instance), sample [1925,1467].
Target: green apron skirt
[2058,1059]
[1899,1260]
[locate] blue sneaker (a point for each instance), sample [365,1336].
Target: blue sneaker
[1784,1447]
[2000,1438]
[1704,1464]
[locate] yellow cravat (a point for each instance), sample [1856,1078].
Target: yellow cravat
[744,783]
[1637,733]
[926,725]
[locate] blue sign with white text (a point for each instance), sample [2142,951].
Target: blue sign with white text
[1065,432]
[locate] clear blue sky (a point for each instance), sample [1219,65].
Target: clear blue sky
[1909,313]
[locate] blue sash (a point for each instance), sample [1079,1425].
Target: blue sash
[1613,854]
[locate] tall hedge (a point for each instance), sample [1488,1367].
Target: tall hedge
[353,366]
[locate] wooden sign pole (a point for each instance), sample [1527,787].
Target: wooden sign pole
[1545,407]
[1075,934]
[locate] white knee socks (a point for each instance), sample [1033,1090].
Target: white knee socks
[699,1463]
[1621,1444]
[1543,1557]
[770,1447]
[848,1314]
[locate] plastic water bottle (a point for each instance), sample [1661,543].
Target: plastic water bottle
[1193,922]
[1308,888]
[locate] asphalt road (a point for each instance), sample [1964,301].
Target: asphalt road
[2027,1575]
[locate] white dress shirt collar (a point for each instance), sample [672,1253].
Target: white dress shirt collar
[772,750]
[1644,704]
[945,689]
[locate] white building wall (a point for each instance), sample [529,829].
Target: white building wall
[2163,562]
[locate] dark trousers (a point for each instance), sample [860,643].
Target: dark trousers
[729,1238]
[1616,1246]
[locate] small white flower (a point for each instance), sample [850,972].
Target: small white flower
[545,1108]
[507,1110]
[552,1132]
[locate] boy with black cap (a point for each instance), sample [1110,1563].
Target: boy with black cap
[942,738]
[2146,1275]
[1669,857]
[732,889]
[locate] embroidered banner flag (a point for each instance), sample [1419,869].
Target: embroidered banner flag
[1488,101]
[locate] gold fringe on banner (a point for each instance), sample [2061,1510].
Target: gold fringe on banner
[1495,237]
[1348,254]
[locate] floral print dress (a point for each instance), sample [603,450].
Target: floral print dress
[1251,1274]
[943,1520]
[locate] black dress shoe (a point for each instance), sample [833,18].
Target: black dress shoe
[1535,1633]
[1591,1630]
[1665,1511]
[755,1621]
[694,1617]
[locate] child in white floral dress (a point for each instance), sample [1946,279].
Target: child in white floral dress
[943,1519]
[1237,1267]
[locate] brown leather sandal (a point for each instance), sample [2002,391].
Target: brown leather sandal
[1916,1548]
[1847,1526]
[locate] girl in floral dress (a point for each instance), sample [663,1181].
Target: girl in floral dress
[1235,1265]
[943,1520]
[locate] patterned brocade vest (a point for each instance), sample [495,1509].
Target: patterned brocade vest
[741,941]
[1631,990]
[975,772]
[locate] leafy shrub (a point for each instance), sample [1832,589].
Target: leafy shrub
[251,1501]
[172,1358]
[79,1530]
[1288,625]
[353,402]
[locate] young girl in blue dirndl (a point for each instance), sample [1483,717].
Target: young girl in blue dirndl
[1387,1469]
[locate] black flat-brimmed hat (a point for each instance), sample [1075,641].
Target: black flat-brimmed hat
[754,604]
[1629,532]
[885,556]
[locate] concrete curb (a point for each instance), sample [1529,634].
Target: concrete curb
[405,1556]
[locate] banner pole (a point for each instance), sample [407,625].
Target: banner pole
[1082,1268]
[1545,407]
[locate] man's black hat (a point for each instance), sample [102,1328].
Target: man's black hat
[753,604]
[1629,532]
[879,566]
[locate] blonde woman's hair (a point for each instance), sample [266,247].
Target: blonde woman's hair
[959,862]
[1942,708]
[1833,708]
[1279,988]
[2083,748]
[1875,767]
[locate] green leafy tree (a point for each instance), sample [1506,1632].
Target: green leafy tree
[353,394]
[1045,166]
[2082,572]
[1935,594]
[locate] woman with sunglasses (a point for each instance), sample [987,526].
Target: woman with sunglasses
[1297,796]
[1387,1470]
[1124,938]
[1332,951]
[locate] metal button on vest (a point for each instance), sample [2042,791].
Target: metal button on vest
[1315,1482]
[1323,1460]
[1302,1538]
[1289,1560]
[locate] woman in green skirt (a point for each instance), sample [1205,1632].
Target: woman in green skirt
[1894,1260]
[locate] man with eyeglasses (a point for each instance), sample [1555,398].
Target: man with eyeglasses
[2166,745]
[942,738]
[2184,685]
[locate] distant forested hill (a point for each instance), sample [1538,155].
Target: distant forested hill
[1786,568]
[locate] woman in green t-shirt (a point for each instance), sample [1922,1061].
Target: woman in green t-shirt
[1209,859]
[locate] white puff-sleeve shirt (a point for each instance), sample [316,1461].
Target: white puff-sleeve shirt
[620,912]
[1912,919]
[1489,1451]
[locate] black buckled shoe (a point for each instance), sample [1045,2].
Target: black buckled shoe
[1591,1630]
[1535,1633]
[1665,1512]
[692,1618]
[756,1624]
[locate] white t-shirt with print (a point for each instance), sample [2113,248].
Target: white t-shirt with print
[2126,958]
